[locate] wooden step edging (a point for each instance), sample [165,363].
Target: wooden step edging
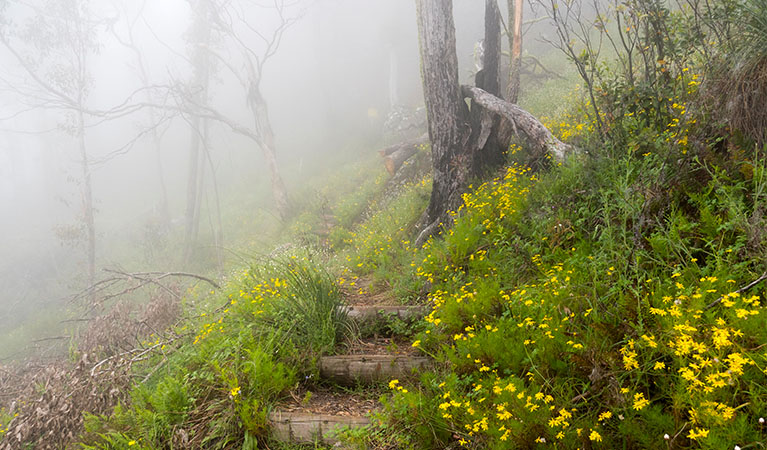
[353,369]
[367,313]
[305,427]
[309,428]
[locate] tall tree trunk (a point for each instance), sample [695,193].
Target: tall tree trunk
[200,181]
[264,130]
[462,143]
[448,116]
[515,46]
[191,188]
[218,233]
[157,144]
[490,151]
[200,39]
[164,205]
[80,48]
[87,192]
[393,77]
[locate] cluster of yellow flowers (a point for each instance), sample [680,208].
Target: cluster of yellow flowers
[4,427]
[569,125]
[688,338]
[702,348]
[251,297]
[376,241]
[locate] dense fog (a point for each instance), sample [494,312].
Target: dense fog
[334,71]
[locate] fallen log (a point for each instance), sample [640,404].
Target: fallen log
[396,155]
[523,122]
[394,161]
[423,139]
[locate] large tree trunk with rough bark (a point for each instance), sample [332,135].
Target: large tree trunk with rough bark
[448,116]
[466,144]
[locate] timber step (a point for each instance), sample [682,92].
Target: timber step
[369,360]
[364,313]
[314,416]
[353,369]
[302,427]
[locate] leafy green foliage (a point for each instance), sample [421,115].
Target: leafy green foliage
[216,390]
[381,245]
[606,302]
[600,303]
[309,312]
[563,320]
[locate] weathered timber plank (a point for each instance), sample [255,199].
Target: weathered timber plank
[368,313]
[299,427]
[351,369]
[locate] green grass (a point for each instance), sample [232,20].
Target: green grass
[218,383]
[579,306]
[381,246]
[597,303]
[555,317]
[569,306]
[245,347]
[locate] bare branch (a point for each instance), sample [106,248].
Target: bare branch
[129,357]
[33,73]
[744,288]
[131,282]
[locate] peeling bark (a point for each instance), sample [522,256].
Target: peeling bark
[515,45]
[465,143]
[448,116]
[538,136]
[489,150]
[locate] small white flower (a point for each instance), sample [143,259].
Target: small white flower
[761,421]
[737,447]
[666,436]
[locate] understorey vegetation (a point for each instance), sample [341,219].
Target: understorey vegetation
[615,299]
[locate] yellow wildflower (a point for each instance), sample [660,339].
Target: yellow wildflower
[639,401]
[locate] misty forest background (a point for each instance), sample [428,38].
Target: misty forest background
[461,225]
[329,87]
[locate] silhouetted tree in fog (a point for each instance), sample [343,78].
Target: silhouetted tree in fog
[52,47]
[199,39]
[127,38]
[235,26]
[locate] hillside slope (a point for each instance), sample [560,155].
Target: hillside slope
[613,300]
